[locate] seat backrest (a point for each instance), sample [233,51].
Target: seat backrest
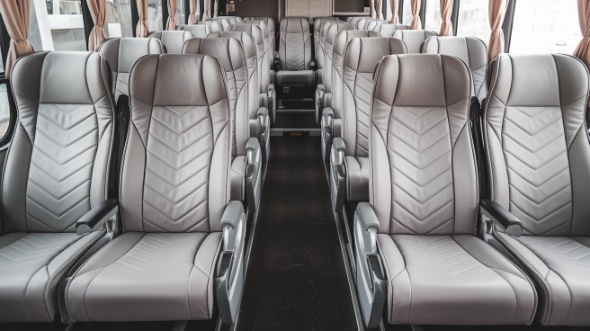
[198,30]
[354,20]
[230,53]
[122,53]
[370,24]
[537,143]
[472,51]
[414,38]
[361,57]
[342,40]
[269,41]
[57,167]
[387,30]
[323,31]
[249,48]
[295,44]
[214,26]
[423,174]
[270,25]
[360,23]
[333,31]
[178,146]
[172,40]
[317,27]
[224,23]
[232,19]
[263,67]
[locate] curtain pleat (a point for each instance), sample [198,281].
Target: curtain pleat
[446,26]
[416,22]
[497,12]
[16,15]
[97,11]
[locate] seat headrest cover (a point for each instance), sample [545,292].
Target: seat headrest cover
[228,51]
[334,29]
[122,53]
[343,37]
[198,30]
[364,54]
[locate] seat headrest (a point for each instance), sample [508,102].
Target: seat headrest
[363,54]
[342,39]
[122,53]
[228,51]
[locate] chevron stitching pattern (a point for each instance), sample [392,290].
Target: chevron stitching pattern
[420,153]
[558,252]
[441,255]
[34,250]
[295,54]
[176,187]
[363,92]
[122,84]
[58,187]
[538,169]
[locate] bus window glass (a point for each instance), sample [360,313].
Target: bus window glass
[57,25]
[407,14]
[155,15]
[118,19]
[432,16]
[545,26]
[473,20]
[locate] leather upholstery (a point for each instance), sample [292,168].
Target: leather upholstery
[387,30]
[361,57]
[214,26]
[122,53]
[270,24]
[371,25]
[472,51]
[424,191]
[362,23]
[295,44]
[230,53]
[161,268]
[172,40]
[537,154]
[414,38]
[56,170]
[232,19]
[224,23]
[197,30]
[269,43]
[317,28]
[331,34]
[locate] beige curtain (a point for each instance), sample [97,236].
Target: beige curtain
[215,8]
[97,11]
[497,11]
[195,8]
[446,26]
[378,9]
[142,29]
[583,49]
[206,10]
[416,22]
[171,23]
[394,14]
[16,15]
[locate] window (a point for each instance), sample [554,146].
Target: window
[180,19]
[57,25]
[4,111]
[154,19]
[407,14]
[117,21]
[473,20]
[432,17]
[543,26]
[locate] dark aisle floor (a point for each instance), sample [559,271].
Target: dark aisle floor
[296,278]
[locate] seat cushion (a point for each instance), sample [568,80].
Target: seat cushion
[147,277]
[458,280]
[31,266]
[295,78]
[357,171]
[560,266]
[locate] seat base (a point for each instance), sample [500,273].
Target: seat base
[295,78]
[147,277]
[453,280]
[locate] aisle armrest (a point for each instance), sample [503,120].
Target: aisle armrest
[253,173]
[264,132]
[338,173]
[326,132]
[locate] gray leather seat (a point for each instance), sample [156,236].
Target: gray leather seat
[351,147]
[295,53]
[323,97]
[232,19]
[172,40]
[538,158]
[472,51]
[266,97]
[320,54]
[414,38]
[354,19]
[318,51]
[198,30]
[269,22]
[269,36]
[122,53]
[182,230]
[362,22]
[224,23]
[424,206]
[370,25]
[214,26]
[56,172]
[246,151]
[387,30]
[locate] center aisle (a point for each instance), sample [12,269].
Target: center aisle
[296,278]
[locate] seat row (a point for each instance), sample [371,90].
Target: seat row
[455,224]
[124,186]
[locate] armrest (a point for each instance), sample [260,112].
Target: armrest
[272,103]
[229,273]
[319,101]
[366,217]
[253,173]
[337,174]
[501,216]
[312,64]
[326,131]
[264,132]
[97,217]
